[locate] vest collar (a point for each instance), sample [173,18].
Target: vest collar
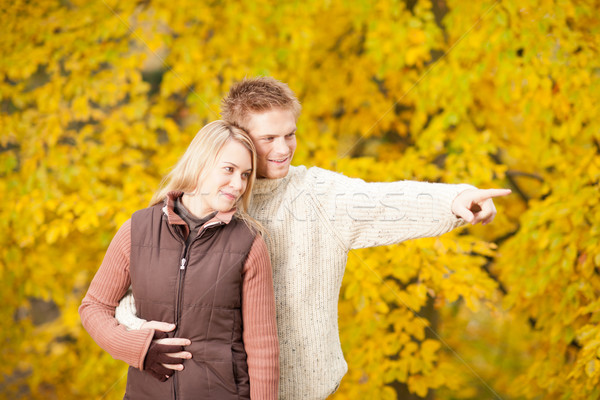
[174,219]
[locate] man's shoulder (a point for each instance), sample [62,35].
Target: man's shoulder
[313,174]
[322,183]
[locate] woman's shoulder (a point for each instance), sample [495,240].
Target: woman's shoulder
[157,209]
[246,224]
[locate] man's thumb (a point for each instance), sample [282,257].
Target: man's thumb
[464,213]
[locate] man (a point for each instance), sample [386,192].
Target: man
[314,217]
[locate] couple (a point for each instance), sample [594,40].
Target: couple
[312,219]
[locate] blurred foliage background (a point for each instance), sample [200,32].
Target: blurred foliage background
[99,98]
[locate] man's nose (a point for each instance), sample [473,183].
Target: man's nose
[280,146]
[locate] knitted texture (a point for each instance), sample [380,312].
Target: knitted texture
[314,217]
[125,310]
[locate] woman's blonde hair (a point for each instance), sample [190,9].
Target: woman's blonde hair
[200,156]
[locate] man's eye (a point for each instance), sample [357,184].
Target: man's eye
[268,139]
[290,135]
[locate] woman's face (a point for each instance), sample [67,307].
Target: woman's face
[226,182]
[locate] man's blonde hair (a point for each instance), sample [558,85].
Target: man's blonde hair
[200,157]
[257,95]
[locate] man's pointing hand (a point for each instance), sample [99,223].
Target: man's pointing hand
[476,205]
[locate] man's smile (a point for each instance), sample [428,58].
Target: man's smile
[279,161]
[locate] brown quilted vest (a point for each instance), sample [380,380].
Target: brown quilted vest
[202,297]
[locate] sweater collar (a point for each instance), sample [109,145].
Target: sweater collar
[262,186]
[174,219]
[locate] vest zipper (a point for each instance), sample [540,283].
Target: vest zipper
[182,270]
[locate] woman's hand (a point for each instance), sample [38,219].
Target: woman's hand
[165,355]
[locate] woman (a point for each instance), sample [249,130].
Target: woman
[196,259]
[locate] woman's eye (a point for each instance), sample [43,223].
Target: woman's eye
[246,175]
[229,169]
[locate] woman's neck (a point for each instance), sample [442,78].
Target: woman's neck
[195,205]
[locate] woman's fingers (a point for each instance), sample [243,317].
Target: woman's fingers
[158,325]
[182,354]
[176,367]
[174,341]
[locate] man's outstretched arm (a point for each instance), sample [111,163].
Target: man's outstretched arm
[362,214]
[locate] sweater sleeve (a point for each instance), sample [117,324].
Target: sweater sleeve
[260,326]
[126,313]
[362,214]
[97,309]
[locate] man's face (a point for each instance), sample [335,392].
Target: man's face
[274,135]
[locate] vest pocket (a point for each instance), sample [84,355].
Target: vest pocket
[221,380]
[142,386]
[242,379]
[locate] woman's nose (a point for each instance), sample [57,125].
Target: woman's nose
[236,182]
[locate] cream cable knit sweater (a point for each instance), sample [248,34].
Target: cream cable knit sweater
[314,217]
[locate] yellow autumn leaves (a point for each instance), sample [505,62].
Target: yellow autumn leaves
[98,99]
